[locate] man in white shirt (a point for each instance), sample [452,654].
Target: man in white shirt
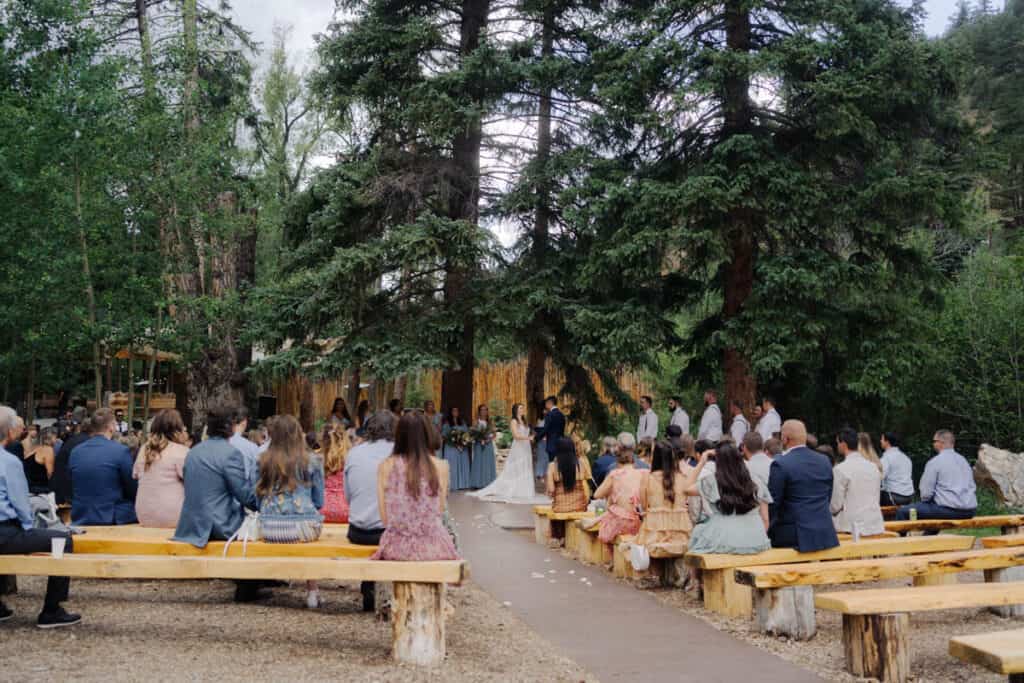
[249,450]
[647,427]
[121,424]
[897,472]
[739,427]
[758,462]
[711,421]
[679,417]
[855,486]
[770,423]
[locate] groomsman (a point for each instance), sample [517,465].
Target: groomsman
[647,427]
[770,423]
[711,421]
[739,427]
[678,416]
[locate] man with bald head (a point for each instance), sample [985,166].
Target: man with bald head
[800,482]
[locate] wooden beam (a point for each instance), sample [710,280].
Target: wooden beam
[893,600]
[990,521]
[844,551]
[96,545]
[1010,541]
[1002,651]
[150,567]
[857,571]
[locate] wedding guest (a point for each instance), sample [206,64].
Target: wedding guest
[737,511]
[897,472]
[339,414]
[362,414]
[678,416]
[120,425]
[457,456]
[812,442]
[867,449]
[800,484]
[665,530]
[621,488]
[739,427]
[60,482]
[436,420]
[647,426]
[160,471]
[240,423]
[770,423]
[758,462]
[757,413]
[365,526]
[335,509]
[711,421]
[947,485]
[412,495]
[829,453]
[567,479]
[101,477]
[855,487]
[607,461]
[644,453]
[395,406]
[773,447]
[483,469]
[38,461]
[290,489]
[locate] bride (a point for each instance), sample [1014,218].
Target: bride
[515,484]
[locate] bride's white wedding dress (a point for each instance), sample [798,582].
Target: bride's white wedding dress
[515,483]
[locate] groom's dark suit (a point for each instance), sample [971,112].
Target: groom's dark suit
[553,430]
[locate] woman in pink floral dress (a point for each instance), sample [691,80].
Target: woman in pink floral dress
[412,490]
[622,489]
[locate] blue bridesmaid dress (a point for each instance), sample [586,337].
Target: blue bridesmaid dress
[458,462]
[483,470]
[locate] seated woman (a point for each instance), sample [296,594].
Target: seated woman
[622,489]
[291,491]
[737,512]
[39,460]
[412,491]
[336,445]
[160,471]
[566,479]
[665,530]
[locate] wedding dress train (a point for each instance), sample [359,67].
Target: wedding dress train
[515,484]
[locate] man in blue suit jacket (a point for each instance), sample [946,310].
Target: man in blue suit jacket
[554,427]
[800,483]
[103,489]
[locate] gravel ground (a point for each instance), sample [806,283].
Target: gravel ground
[191,631]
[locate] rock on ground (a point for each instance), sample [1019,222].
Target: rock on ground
[1003,472]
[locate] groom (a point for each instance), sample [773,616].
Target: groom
[553,429]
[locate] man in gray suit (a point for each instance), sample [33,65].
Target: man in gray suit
[217,490]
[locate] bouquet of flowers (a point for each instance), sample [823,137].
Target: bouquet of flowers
[480,433]
[460,439]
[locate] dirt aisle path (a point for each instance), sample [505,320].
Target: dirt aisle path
[611,629]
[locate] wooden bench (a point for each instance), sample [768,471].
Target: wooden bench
[784,593]
[588,548]
[889,511]
[843,536]
[1009,541]
[723,595]
[547,524]
[418,604]
[1009,524]
[1002,652]
[876,622]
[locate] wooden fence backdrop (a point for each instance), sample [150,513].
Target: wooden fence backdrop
[499,385]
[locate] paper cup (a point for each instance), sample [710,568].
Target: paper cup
[57,547]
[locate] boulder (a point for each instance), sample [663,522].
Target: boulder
[1003,472]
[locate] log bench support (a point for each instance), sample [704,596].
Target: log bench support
[935,579]
[786,611]
[541,529]
[1007,575]
[723,595]
[876,646]
[671,571]
[590,549]
[418,623]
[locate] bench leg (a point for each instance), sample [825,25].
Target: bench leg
[417,623]
[541,529]
[1011,530]
[1007,575]
[940,579]
[876,646]
[557,534]
[786,611]
[621,568]
[383,596]
[572,538]
[672,572]
[723,595]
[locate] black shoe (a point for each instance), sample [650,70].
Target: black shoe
[5,612]
[57,618]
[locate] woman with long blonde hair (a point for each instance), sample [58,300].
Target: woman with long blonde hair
[336,446]
[160,469]
[867,449]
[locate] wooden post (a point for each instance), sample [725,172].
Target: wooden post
[383,596]
[786,611]
[1007,575]
[541,528]
[672,571]
[572,537]
[723,595]
[943,579]
[417,623]
[876,646]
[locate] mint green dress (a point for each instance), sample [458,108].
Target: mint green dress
[728,534]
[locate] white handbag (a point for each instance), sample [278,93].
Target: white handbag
[639,557]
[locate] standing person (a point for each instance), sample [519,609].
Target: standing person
[770,423]
[412,497]
[711,421]
[515,484]
[678,416]
[291,491]
[395,406]
[855,489]
[483,469]
[160,471]
[947,485]
[758,462]
[339,414]
[436,420]
[121,425]
[251,452]
[552,430]
[335,509]
[365,525]
[17,535]
[101,477]
[60,482]
[644,454]
[666,527]
[362,414]
[737,509]
[647,425]
[800,484]
[457,457]
[739,427]
[567,479]
[622,489]
[607,461]
[897,472]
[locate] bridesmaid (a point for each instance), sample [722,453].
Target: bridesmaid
[483,469]
[457,458]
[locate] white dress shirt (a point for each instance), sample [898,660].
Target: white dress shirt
[769,424]
[711,424]
[680,418]
[949,481]
[738,429]
[855,485]
[897,472]
[647,427]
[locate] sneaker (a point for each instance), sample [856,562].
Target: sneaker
[313,600]
[57,618]
[5,612]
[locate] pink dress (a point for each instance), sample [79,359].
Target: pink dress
[622,519]
[335,507]
[161,487]
[414,530]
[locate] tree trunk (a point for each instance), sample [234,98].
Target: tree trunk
[418,623]
[354,378]
[90,293]
[742,223]
[30,392]
[876,646]
[306,409]
[151,372]
[131,386]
